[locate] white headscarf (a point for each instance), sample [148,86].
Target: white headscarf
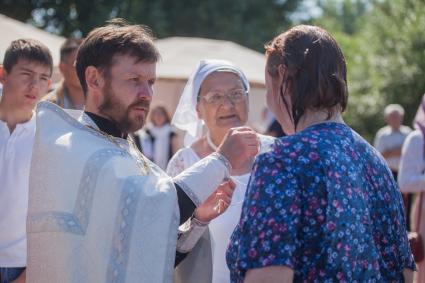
[185,117]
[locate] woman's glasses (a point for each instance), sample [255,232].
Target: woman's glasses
[217,98]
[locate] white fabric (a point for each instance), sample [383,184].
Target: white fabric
[94,214]
[222,227]
[411,175]
[192,179]
[388,139]
[159,151]
[411,179]
[185,117]
[15,160]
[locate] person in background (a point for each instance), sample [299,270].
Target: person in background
[269,125]
[389,140]
[26,77]
[216,96]
[157,140]
[275,130]
[322,205]
[411,176]
[68,93]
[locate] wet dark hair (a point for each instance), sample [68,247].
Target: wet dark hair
[29,49]
[70,45]
[117,37]
[316,69]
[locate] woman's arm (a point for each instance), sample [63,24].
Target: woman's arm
[270,274]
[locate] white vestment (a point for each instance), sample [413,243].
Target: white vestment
[98,210]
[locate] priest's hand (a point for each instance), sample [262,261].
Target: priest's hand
[239,146]
[216,203]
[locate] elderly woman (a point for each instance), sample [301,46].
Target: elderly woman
[216,96]
[322,205]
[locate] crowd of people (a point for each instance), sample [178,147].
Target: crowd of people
[91,191]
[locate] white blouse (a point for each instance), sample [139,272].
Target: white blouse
[222,227]
[411,177]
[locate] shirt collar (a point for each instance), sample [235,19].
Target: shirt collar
[25,126]
[106,125]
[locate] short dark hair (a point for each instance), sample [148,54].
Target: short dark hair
[316,69]
[29,49]
[117,37]
[70,45]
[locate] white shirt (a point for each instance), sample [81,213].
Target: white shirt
[387,139]
[411,175]
[15,159]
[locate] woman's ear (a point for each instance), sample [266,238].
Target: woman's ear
[198,111]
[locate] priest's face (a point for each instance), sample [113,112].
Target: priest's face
[127,92]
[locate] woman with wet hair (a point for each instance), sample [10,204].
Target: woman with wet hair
[322,205]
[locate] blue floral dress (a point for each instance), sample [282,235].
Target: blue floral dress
[324,203]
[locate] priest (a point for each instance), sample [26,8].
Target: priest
[99,211]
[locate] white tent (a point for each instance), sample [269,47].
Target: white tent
[12,29]
[180,56]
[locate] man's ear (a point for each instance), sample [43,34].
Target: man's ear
[94,79]
[62,67]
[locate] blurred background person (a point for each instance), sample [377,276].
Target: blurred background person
[158,140]
[389,140]
[274,129]
[215,97]
[268,125]
[411,176]
[68,93]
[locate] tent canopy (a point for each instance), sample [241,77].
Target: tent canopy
[12,29]
[180,56]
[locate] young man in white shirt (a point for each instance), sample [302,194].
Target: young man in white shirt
[26,76]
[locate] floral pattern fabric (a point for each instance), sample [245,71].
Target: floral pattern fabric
[324,203]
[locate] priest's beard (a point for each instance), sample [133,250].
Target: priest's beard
[116,110]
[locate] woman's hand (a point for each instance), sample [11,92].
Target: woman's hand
[216,203]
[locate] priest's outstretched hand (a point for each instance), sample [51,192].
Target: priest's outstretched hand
[216,203]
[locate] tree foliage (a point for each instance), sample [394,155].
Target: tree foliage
[383,40]
[248,22]
[384,45]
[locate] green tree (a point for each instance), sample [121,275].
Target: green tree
[384,45]
[248,22]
